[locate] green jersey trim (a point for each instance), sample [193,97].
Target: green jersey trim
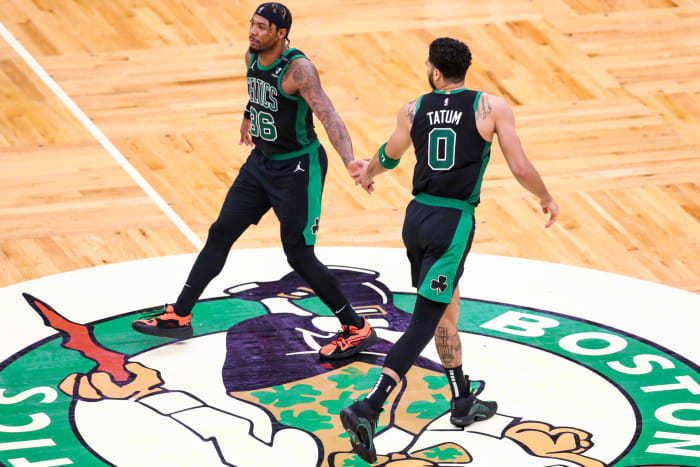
[417,105]
[273,64]
[302,110]
[476,100]
[485,156]
[415,112]
[279,80]
[282,156]
[450,91]
[302,107]
[441,201]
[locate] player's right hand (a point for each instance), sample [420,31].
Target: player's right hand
[245,132]
[99,385]
[357,169]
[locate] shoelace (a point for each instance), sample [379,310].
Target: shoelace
[154,313]
[342,335]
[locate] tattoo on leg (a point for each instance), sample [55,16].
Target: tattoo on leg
[449,347]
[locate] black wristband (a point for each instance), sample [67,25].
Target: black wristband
[246,114]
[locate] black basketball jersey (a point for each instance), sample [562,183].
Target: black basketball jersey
[451,155]
[280,123]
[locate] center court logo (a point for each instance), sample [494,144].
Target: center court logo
[248,389]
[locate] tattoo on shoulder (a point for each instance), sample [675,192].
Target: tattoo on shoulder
[301,73]
[484,109]
[308,84]
[411,111]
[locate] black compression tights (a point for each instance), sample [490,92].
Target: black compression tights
[302,259]
[208,264]
[404,353]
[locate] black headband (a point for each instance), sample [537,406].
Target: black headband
[277,14]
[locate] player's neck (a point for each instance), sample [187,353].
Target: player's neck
[447,87]
[268,57]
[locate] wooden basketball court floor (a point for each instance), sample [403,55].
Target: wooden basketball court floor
[119,126]
[606,95]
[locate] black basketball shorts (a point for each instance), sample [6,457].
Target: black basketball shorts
[438,234]
[291,184]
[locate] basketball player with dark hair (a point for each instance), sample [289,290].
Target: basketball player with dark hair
[285,171]
[451,129]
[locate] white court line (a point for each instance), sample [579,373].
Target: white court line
[107,144]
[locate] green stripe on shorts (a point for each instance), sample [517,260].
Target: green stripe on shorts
[314,193]
[441,201]
[438,284]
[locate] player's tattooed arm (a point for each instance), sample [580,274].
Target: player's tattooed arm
[484,109]
[411,111]
[302,78]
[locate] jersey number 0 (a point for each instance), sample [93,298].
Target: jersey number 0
[441,148]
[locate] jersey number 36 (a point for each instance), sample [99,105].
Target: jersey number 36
[262,125]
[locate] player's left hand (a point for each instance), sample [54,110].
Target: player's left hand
[357,169]
[364,180]
[549,206]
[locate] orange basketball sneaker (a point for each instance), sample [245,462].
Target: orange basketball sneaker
[165,324]
[349,341]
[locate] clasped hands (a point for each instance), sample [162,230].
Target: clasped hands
[357,169]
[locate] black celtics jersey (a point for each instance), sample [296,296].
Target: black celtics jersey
[451,155]
[280,123]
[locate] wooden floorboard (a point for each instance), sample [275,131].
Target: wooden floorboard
[606,95]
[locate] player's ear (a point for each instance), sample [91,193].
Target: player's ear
[281,33]
[436,75]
